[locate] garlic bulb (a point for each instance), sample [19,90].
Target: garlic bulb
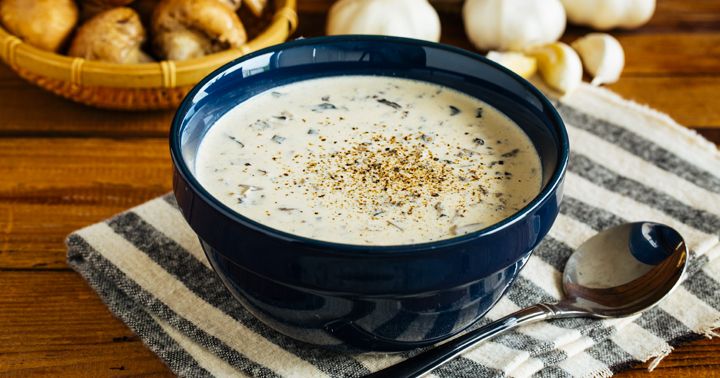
[602,55]
[608,14]
[513,24]
[401,18]
[519,63]
[559,66]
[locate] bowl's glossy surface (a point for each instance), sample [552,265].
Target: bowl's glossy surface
[359,297]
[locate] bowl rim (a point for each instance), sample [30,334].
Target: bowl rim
[362,249]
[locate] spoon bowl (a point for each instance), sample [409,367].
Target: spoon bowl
[624,270]
[621,271]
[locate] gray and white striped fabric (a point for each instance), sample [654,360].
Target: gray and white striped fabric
[628,163]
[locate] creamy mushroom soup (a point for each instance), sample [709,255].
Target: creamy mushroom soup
[369,160]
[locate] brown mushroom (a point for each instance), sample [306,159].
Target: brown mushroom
[186,29]
[145,8]
[45,24]
[112,36]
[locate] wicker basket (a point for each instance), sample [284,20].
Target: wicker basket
[144,86]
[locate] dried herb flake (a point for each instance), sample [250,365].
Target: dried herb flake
[232,138]
[324,106]
[511,153]
[389,103]
[396,226]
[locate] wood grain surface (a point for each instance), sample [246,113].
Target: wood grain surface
[64,166]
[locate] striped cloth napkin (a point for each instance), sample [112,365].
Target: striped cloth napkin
[628,163]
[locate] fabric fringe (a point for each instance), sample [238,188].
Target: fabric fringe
[711,330]
[600,373]
[659,356]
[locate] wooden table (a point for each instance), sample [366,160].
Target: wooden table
[64,166]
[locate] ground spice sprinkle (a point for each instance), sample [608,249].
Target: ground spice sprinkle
[393,171]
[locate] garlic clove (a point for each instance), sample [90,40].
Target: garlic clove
[519,63]
[602,55]
[559,65]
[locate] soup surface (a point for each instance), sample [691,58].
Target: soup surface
[369,160]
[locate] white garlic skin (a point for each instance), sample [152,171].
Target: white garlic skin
[609,14]
[521,64]
[559,66]
[401,18]
[603,57]
[513,24]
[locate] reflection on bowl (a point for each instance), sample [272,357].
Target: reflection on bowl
[380,298]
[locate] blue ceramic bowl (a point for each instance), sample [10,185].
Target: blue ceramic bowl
[382,298]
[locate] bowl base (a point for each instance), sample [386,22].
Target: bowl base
[362,324]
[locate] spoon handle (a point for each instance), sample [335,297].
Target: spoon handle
[430,359]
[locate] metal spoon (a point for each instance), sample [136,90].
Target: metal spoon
[619,272]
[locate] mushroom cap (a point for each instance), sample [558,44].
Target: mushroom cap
[111,36]
[184,29]
[45,24]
